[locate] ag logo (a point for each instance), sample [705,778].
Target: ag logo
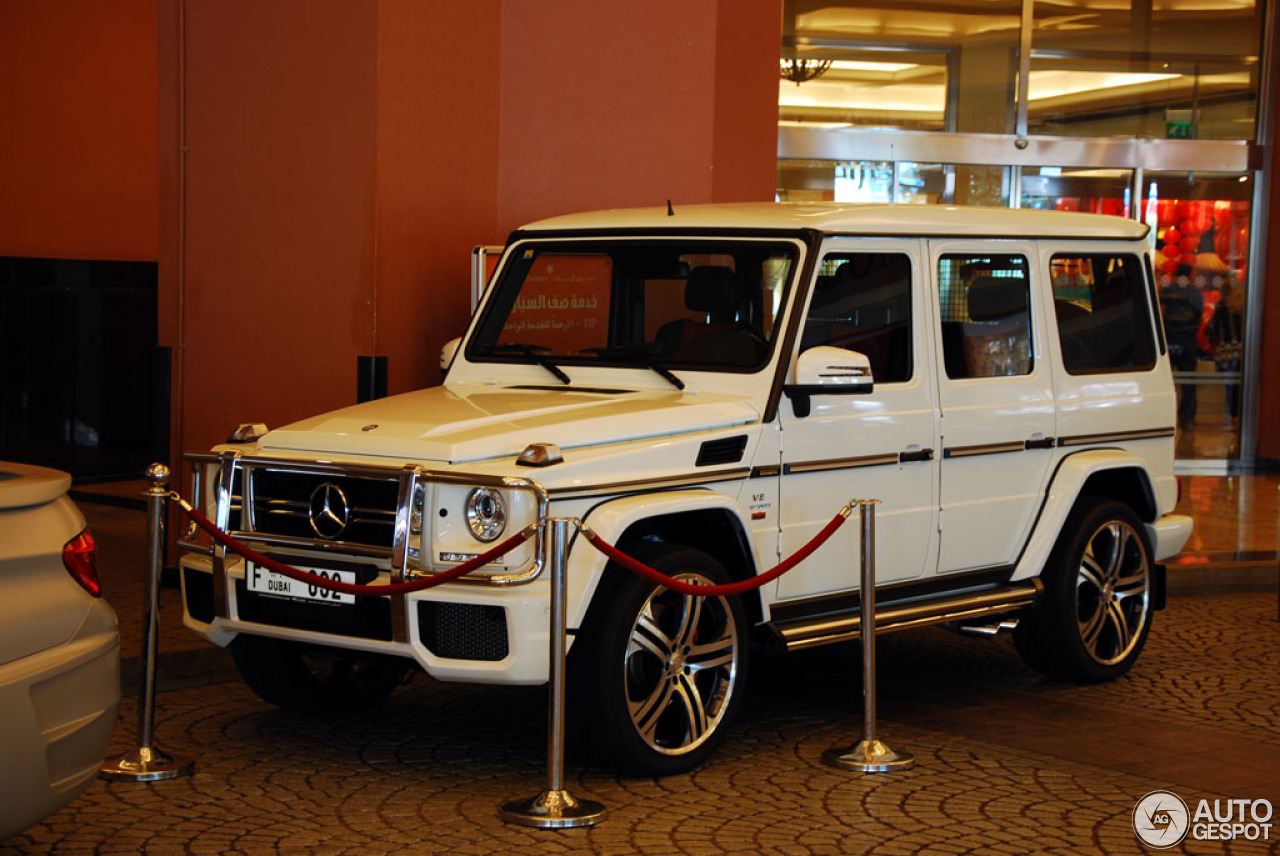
[1161,820]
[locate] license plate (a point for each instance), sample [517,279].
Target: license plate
[263,581]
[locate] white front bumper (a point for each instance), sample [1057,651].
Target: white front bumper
[526,609]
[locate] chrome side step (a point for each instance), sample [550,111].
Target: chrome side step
[810,632]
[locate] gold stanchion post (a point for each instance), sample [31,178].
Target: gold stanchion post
[147,762]
[555,808]
[869,755]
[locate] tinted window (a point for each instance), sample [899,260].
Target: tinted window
[985,311]
[1104,322]
[862,302]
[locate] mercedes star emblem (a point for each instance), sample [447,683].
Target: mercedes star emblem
[329,511]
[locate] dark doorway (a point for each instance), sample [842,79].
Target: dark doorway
[85,389]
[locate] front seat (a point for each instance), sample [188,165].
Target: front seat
[714,292]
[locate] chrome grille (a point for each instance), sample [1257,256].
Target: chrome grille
[322,506]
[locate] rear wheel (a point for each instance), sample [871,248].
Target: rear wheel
[659,676]
[1097,606]
[313,678]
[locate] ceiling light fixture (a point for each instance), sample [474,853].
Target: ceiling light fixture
[799,70]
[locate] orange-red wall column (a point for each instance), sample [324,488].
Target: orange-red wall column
[341,160]
[279,103]
[437,178]
[745,141]
[620,104]
[78,129]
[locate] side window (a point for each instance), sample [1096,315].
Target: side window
[985,312]
[1104,321]
[862,302]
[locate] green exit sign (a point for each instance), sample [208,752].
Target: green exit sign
[1177,124]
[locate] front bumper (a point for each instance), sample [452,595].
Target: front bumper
[496,635]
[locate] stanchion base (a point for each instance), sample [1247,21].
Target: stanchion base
[553,810]
[146,764]
[869,756]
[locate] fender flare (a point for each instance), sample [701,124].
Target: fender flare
[1064,489]
[610,520]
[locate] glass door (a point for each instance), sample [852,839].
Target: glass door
[1201,225]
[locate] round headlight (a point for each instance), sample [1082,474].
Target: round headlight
[486,514]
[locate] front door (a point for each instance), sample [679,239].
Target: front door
[868,297]
[996,393]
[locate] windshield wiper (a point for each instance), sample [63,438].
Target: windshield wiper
[640,357]
[530,351]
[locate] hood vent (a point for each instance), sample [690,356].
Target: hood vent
[726,451]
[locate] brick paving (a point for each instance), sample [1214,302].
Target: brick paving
[1007,762]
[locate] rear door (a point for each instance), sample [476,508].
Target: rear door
[995,389]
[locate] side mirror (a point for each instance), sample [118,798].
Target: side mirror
[448,352]
[826,370]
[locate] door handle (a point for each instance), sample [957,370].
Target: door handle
[915,455]
[1040,443]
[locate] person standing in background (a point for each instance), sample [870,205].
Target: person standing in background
[1226,333]
[1182,307]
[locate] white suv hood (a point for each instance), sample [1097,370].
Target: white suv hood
[480,422]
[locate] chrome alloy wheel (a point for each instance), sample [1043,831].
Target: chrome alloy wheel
[681,666]
[1113,592]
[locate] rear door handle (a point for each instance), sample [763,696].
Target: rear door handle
[915,455]
[1040,443]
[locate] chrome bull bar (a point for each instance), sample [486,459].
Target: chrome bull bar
[218,472]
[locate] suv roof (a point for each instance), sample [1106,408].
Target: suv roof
[855,219]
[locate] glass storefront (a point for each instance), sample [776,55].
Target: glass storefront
[1145,69]
[1096,191]
[867,88]
[1201,226]
[903,182]
[1145,109]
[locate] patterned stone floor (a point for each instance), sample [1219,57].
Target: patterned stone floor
[1007,762]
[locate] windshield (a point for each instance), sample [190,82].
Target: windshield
[691,303]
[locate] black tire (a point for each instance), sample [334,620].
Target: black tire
[315,679]
[658,677]
[1096,609]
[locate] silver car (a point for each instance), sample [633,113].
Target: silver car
[59,649]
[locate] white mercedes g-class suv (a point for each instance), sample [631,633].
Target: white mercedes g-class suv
[705,387]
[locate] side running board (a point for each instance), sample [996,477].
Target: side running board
[809,632]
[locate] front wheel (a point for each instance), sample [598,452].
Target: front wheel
[1097,605]
[658,676]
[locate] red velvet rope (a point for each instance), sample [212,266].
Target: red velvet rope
[679,587]
[351,588]
[505,547]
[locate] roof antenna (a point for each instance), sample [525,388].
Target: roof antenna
[670,211]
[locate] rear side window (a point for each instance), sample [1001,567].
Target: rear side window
[985,311]
[1104,319]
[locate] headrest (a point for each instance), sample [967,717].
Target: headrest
[713,288]
[992,298]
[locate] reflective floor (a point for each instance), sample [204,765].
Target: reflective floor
[1007,761]
[1214,432]
[1237,532]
